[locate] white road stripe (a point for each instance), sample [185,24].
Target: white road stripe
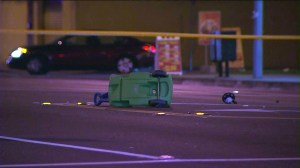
[154,161]
[189,115]
[250,110]
[81,148]
[242,94]
[183,114]
[213,104]
[258,109]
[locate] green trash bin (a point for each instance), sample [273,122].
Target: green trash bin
[141,89]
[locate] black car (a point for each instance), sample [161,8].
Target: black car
[120,53]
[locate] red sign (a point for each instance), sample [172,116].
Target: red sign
[209,22]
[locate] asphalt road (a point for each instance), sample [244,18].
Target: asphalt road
[42,125]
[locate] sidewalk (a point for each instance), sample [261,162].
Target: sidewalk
[273,81]
[279,80]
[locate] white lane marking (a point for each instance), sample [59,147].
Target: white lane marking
[200,104]
[253,117]
[81,148]
[196,104]
[154,161]
[257,94]
[181,114]
[242,105]
[250,110]
[92,103]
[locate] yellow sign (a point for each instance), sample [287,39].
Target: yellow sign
[209,22]
[168,55]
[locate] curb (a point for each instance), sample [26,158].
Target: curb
[273,85]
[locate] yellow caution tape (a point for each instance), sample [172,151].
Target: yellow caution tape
[149,34]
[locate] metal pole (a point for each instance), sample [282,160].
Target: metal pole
[258,44]
[29,21]
[191,31]
[206,56]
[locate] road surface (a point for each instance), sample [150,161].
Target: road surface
[48,121]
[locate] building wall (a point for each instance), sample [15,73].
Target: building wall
[46,15]
[280,17]
[132,15]
[13,15]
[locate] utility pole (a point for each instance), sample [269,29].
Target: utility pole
[258,44]
[191,26]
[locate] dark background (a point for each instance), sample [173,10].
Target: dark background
[280,18]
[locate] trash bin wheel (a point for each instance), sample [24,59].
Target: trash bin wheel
[99,98]
[159,73]
[229,98]
[159,103]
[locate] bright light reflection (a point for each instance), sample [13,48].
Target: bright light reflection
[46,103]
[23,50]
[199,113]
[166,157]
[18,52]
[161,113]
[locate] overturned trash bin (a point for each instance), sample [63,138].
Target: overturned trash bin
[138,89]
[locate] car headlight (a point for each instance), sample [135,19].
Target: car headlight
[18,52]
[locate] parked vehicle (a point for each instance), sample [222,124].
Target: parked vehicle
[123,54]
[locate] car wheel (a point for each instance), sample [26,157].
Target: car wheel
[37,66]
[125,65]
